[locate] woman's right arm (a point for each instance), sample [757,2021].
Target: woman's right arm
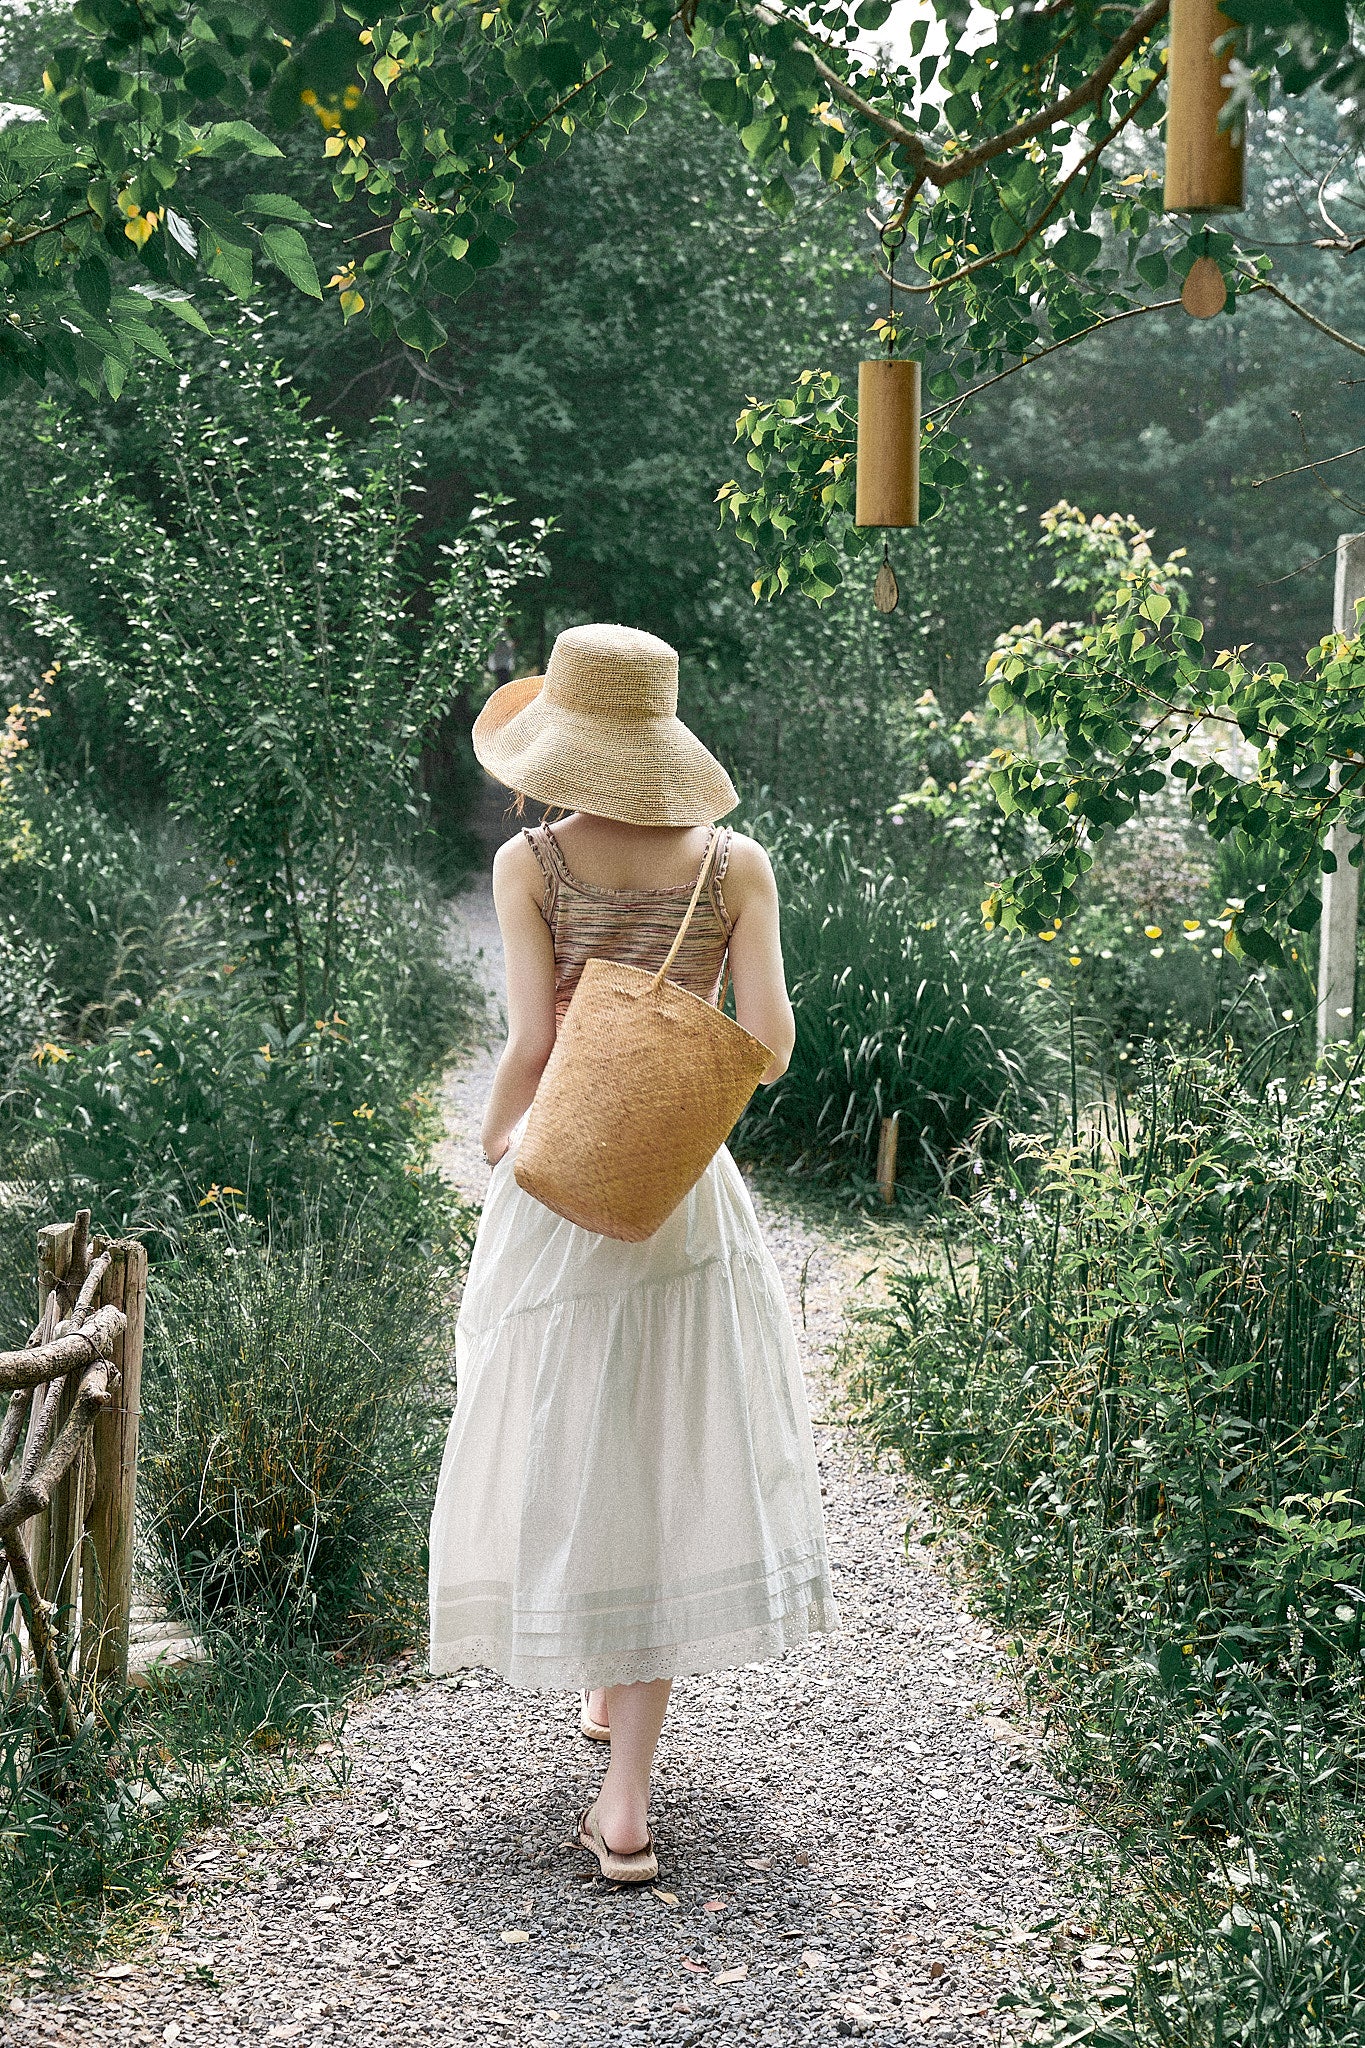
[762,1004]
[529,950]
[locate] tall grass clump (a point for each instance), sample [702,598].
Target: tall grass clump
[295,1403]
[1140,1390]
[897,1009]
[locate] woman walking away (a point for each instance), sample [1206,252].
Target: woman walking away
[629,1490]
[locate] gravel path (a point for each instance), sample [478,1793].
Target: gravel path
[854,1841]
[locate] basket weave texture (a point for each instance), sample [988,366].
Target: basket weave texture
[645,1084]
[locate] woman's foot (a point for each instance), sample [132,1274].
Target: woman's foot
[624,1821]
[639,1866]
[597,1708]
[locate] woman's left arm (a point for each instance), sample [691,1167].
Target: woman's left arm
[530,955]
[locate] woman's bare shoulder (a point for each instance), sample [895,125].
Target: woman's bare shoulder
[515,867]
[748,873]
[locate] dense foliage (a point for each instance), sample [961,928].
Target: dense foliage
[899,1011]
[260,628]
[1140,1387]
[295,1403]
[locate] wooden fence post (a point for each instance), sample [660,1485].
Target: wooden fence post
[54,1539]
[886,1156]
[107,1586]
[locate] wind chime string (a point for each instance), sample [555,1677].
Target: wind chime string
[886,593]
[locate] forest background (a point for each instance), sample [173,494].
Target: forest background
[226,992]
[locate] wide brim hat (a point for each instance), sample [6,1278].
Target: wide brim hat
[600,732]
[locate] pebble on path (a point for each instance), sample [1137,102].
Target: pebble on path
[853,1842]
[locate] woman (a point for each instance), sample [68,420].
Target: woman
[629,1488]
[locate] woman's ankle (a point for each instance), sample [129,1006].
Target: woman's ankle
[623,1818]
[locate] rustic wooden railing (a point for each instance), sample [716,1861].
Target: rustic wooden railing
[73,1401]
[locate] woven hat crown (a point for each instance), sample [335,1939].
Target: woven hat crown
[616,670]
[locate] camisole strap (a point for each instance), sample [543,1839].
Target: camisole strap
[542,844]
[714,891]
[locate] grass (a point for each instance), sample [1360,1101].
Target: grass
[897,1010]
[89,1831]
[295,1403]
[1139,1393]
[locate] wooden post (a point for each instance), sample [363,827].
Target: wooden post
[107,1588]
[55,1244]
[888,443]
[1341,890]
[1205,163]
[886,1157]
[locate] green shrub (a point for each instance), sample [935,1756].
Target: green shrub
[115,908]
[259,582]
[202,1096]
[295,1404]
[896,1010]
[1142,1389]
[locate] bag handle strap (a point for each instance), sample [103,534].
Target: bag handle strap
[708,861]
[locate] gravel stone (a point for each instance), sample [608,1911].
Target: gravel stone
[848,1849]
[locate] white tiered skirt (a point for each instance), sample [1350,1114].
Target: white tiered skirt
[629,1488]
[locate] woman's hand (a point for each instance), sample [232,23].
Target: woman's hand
[494,1149]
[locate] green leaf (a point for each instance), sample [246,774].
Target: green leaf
[279,206]
[288,251]
[1076,251]
[418,330]
[560,63]
[872,14]
[626,109]
[179,303]
[1153,270]
[223,138]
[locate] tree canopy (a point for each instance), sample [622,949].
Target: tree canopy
[987,146]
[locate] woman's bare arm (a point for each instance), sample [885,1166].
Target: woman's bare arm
[762,1004]
[529,949]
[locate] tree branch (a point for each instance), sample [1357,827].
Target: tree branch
[1003,255]
[948,171]
[69,1353]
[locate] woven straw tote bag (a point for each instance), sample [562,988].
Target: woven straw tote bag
[645,1084]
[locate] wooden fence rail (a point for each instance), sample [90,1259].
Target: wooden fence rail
[74,1394]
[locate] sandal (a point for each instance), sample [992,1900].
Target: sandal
[640,1867]
[596,1731]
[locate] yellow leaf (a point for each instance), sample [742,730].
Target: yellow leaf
[139,230]
[352,303]
[334,145]
[386,70]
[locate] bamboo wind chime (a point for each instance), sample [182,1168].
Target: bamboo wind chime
[1205,157]
[888,442]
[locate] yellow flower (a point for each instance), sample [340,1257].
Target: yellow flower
[1074,960]
[1047,937]
[1192,924]
[364,1111]
[1043,981]
[1153,931]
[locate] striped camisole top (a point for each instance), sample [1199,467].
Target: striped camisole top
[590,922]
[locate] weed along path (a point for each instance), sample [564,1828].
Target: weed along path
[849,1845]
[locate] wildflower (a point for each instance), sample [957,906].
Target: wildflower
[1047,937]
[1153,931]
[1043,980]
[1073,960]
[1192,924]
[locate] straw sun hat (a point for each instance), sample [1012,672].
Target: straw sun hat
[600,732]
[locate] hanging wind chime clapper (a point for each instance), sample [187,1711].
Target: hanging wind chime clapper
[888,444]
[1205,161]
